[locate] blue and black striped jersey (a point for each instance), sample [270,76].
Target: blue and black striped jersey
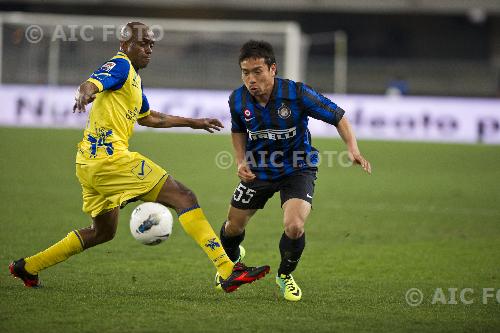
[278,140]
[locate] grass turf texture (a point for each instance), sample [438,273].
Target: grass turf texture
[427,218]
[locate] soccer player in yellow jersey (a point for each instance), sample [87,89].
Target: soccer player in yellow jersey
[111,175]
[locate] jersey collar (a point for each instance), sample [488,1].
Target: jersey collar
[121,54]
[272,97]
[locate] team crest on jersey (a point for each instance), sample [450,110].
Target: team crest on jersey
[283,111]
[108,66]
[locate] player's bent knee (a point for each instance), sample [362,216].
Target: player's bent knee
[294,231]
[191,197]
[186,199]
[92,237]
[104,236]
[110,236]
[180,199]
[233,228]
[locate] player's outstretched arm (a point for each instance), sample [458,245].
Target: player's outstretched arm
[160,120]
[85,94]
[347,134]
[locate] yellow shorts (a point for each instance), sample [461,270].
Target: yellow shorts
[109,182]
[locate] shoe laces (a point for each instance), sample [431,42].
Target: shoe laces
[239,266]
[289,282]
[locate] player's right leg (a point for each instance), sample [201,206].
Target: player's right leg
[247,199]
[102,230]
[232,232]
[174,194]
[104,214]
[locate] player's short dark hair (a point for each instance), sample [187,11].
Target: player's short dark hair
[257,49]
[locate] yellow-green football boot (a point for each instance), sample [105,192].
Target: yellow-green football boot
[289,288]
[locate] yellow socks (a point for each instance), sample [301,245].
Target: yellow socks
[193,221]
[196,225]
[62,250]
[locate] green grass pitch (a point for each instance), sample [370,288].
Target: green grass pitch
[428,217]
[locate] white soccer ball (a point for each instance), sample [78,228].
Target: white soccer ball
[151,223]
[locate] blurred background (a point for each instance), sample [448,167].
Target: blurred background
[412,47]
[440,58]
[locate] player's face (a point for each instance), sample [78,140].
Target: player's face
[258,76]
[140,48]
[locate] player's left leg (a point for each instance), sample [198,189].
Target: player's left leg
[174,194]
[291,246]
[296,193]
[292,243]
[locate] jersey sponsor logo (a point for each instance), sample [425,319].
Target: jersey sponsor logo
[100,142]
[283,111]
[135,82]
[222,256]
[248,115]
[132,115]
[97,76]
[272,134]
[108,66]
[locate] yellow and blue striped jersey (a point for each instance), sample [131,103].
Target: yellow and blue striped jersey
[118,105]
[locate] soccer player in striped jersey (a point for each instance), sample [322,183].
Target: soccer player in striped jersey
[273,152]
[111,175]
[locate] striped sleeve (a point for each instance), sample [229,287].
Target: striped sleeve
[319,107]
[237,125]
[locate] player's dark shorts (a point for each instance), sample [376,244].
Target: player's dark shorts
[254,195]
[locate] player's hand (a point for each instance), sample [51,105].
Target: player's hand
[82,98]
[207,124]
[244,173]
[357,158]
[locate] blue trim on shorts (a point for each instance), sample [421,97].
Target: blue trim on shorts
[188,209]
